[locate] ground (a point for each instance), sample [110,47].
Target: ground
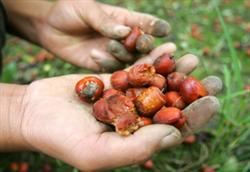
[218,32]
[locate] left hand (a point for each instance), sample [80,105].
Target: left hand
[78,31]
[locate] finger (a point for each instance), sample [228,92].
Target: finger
[101,21]
[121,151]
[148,23]
[199,113]
[106,61]
[213,84]
[119,51]
[187,63]
[157,52]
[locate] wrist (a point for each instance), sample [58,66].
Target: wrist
[12,107]
[26,17]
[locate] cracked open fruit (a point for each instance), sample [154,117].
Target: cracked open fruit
[89,89]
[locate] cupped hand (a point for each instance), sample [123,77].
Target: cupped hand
[58,124]
[78,31]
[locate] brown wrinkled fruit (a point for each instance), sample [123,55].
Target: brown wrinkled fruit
[165,64]
[150,101]
[145,43]
[174,80]
[110,92]
[119,80]
[167,115]
[145,121]
[132,93]
[130,41]
[89,88]
[119,111]
[159,81]
[191,89]
[141,75]
[174,99]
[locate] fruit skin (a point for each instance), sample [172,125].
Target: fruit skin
[145,43]
[150,101]
[89,89]
[167,115]
[174,80]
[191,89]
[159,81]
[119,111]
[181,122]
[119,80]
[132,93]
[110,92]
[174,99]
[144,121]
[141,75]
[164,64]
[130,41]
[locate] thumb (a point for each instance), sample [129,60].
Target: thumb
[101,21]
[122,151]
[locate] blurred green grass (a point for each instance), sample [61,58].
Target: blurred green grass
[218,32]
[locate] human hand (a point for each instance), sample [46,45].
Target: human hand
[57,123]
[79,31]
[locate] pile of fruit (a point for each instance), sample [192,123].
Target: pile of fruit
[143,95]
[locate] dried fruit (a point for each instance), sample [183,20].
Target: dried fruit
[191,89]
[145,43]
[174,99]
[164,64]
[89,89]
[119,111]
[141,75]
[145,121]
[119,80]
[130,41]
[174,80]
[167,115]
[110,92]
[159,81]
[132,93]
[150,101]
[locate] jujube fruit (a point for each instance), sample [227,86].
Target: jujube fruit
[133,93]
[165,64]
[110,92]
[174,99]
[130,40]
[174,80]
[167,115]
[89,88]
[144,121]
[191,89]
[119,80]
[149,101]
[158,81]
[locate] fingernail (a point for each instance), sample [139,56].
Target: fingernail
[121,31]
[213,84]
[161,28]
[172,139]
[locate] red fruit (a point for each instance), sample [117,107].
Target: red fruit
[23,167]
[89,89]
[130,41]
[190,139]
[164,64]
[119,80]
[110,92]
[150,101]
[174,80]
[141,75]
[149,164]
[167,115]
[13,166]
[145,121]
[119,111]
[173,99]
[206,168]
[159,81]
[180,123]
[191,89]
[132,93]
